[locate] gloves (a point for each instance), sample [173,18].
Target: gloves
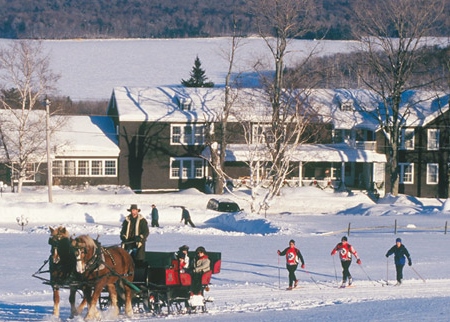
[358,262]
[278,252]
[409,262]
[303,266]
[138,239]
[333,252]
[387,255]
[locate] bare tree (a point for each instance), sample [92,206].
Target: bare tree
[392,32]
[26,79]
[280,21]
[217,139]
[254,115]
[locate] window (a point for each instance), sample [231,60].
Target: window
[432,173]
[58,168]
[186,168]
[188,134]
[433,139]
[406,172]
[407,139]
[30,172]
[97,167]
[342,135]
[262,133]
[110,168]
[85,168]
[70,168]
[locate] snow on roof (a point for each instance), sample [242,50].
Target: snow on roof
[162,104]
[344,108]
[424,106]
[305,153]
[86,136]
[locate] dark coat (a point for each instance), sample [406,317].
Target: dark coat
[132,228]
[400,254]
[155,215]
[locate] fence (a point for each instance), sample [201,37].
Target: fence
[390,228]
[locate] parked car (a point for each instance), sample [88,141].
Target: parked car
[223,204]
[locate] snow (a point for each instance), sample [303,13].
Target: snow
[252,282]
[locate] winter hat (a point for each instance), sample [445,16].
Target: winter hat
[398,240]
[200,249]
[184,247]
[292,241]
[133,206]
[344,238]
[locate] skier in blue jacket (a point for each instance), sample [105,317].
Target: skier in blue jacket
[400,254]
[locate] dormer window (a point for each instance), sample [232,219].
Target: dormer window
[184,103]
[345,102]
[347,106]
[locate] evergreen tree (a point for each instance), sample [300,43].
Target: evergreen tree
[198,78]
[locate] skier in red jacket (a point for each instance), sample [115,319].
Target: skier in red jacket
[293,256]
[345,253]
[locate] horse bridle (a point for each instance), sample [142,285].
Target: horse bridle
[54,242]
[92,263]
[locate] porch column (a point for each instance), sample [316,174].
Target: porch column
[343,172]
[300,171]
[258,170]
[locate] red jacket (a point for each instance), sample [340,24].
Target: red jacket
[345,251]
[293,256]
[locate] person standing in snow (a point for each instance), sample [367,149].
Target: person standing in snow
[346,252]
[134,234]
[293,256]
[155,216]
[400,254]
[186,216]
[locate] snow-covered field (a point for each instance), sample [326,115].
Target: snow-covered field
[252,282]
[90,69]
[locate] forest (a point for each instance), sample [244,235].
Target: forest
[69,19]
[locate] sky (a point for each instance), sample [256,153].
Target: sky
[253,278]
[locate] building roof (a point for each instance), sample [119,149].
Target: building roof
[344,108]
[304,153]
[86,136]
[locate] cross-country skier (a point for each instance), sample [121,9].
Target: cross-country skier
[293,256]
[345,253]
[400,252]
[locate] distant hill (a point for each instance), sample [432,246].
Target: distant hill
[64,19]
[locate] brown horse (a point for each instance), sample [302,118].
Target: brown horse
[102,267]
[63,272]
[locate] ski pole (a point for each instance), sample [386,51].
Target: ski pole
[279,285]
[335,272]
[417,273]
[366,274]
[387,271]
[312,279]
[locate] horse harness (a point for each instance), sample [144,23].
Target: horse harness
[97,262]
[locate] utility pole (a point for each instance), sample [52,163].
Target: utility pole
[49,161]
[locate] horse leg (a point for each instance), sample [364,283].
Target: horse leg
[93,313]
[128,306]
[76,310]
[73,310]
[113,297]
[56,301]
[87,293]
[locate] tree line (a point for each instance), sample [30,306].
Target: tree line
[64,19]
